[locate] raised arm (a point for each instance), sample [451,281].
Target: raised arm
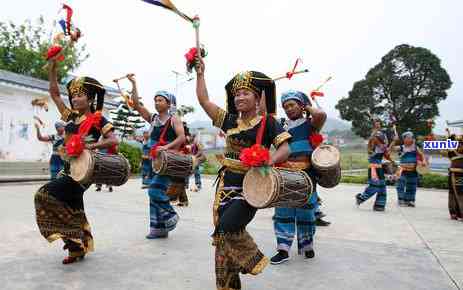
[54,88]
[281,154]
[43,138]
[201,91]
[144,113]
[318,117]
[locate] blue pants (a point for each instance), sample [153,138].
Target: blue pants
[163,217]
[288,222]
[406,186]
[377,187]
[197,174]
[146,172]
[56,165]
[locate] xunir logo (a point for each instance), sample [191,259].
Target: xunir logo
[440,145]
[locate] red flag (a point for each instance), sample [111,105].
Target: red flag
[314,94]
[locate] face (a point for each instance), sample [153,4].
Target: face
[377,125]
[81,102]
[245,101]
[161,104]
[408,141]
[60,130]
[146,135]
[293,109]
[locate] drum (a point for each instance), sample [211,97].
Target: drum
[422,169]
[389,167]
[93,167]
[173,164]
[326,159]
[279,188]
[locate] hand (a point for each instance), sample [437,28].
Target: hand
[161,148]
[36,126]
[90,146]
[199,66]
[131,78]
[270,162]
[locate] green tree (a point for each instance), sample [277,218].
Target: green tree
[23,48]
[126,121]
[183,110]
[408,84]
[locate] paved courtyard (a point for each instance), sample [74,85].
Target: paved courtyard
[402,248]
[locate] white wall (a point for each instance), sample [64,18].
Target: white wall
[18,141]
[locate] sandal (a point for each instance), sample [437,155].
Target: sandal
[70,260]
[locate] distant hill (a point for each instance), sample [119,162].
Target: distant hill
[336,124]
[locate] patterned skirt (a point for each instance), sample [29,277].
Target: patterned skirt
[456,192]
[236,252]
[60,214]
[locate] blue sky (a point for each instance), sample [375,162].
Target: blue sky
[333,37]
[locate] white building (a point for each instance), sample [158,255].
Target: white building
[18,141]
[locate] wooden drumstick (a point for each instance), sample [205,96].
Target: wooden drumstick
[295,73]
[124,77]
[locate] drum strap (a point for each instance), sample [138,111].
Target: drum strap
[261,130]
[162,141]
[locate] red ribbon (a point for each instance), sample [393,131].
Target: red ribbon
[53,51]
[162,141]
[314,94]
[315,140]
[256,155]
[69,13]
[290,74]
[76,145]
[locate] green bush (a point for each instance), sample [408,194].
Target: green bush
[133,154]
[434,181]
[210,167]
[354,179]
[426,181]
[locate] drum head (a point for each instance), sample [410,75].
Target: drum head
[422,169]
[259,189]
[157,162]
[82,166]
[326,156]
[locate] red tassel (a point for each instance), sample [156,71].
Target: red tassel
[316,94]
[53,51]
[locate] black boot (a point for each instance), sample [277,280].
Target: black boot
[309,254]
[281,257]
[321,223]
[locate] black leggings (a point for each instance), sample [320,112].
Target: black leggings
[235,216]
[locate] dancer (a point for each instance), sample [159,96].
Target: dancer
[288,220]
[377,149]
[167,133]
[410,157]
[56,163]
[236,251]
[59,204]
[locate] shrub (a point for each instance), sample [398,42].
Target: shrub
[133,154]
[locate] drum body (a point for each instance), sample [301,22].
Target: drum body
[326,160]
[279,188]
[173,164]
[93,167]
[422,169]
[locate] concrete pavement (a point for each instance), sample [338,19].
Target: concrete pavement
[402,248]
